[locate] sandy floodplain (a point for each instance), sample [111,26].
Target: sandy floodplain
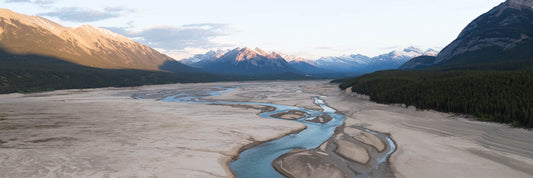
[434,144]
[107,133]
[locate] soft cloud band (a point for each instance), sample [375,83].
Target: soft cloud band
[178,38]
[77,14]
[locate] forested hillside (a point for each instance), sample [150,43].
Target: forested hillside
[499,96]
[30,73]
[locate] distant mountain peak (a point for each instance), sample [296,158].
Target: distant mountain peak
[242,61]
[299,59]
[430,52]
[240,54]
[410,52]
[246,54]
[209,56]
[244,49]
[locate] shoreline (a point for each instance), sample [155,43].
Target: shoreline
[336,159]
[257,143]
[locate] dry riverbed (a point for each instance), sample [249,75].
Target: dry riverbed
[434,144]
[105,132]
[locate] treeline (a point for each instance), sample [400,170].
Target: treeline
[12,81]
[498,96]
[34,73]
[31,73]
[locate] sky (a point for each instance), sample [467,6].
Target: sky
[303,28]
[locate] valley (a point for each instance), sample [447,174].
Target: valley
[172,89]
[97,132]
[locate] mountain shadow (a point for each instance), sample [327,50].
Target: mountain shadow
[176,66]
[30,73]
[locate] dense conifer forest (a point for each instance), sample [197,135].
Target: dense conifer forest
[499,96]
[31,73]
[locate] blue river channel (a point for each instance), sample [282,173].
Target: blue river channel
[256,162]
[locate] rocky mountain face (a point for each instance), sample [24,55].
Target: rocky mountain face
[242,61]
[85,45]
[503,34]
[367,64]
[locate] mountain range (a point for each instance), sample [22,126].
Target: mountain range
[248,61]
[365,64]
[90,48]
[245,61]
[306,66]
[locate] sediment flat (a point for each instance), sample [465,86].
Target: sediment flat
[435,144]
[106,132]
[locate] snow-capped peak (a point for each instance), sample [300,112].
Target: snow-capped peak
[360,62]
[431,52]
[290,58]
[208,56]
[294,59]
[412,52]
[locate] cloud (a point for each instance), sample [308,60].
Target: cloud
[77,14]
[179,38]
[180,42]
[40,2]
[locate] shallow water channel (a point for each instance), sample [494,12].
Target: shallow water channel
[257,161]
